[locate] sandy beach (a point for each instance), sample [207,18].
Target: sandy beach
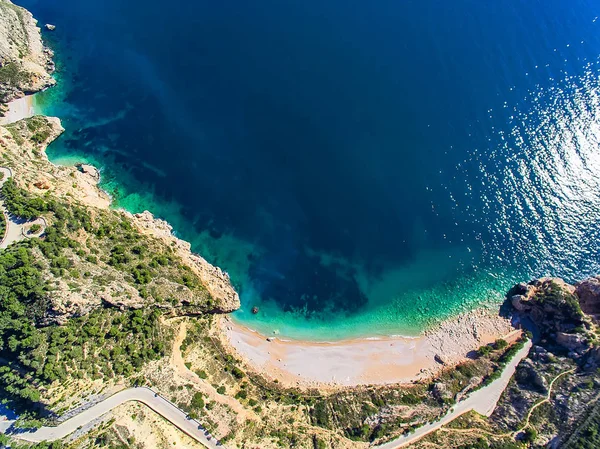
[18,109]
[367,361]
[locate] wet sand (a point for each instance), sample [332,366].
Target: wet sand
[368,360]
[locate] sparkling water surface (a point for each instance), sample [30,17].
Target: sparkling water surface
[358,168]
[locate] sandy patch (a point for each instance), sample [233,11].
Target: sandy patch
[18,109]
[148,429]
[366,361]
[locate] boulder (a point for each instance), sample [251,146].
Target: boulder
[441,359]
[527,374]
[519,302]
[50,27]
[89,170]
[42,184]
[588,292]
[440,391]
[573,342]
[593,359]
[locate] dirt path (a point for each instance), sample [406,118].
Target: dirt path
[543,401]
[482,401]
[242,414]
[525,425]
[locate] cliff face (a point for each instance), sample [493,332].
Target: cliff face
[115,258]
[25,67]
[215,280]
[25,64]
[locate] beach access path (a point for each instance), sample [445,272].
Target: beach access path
[482,401]
[144,395]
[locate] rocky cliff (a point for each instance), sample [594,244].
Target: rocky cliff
[561,313]
[106,263]
[561,376]
[25,64]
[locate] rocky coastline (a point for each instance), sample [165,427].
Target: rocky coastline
[25,155]
[358,393]
[26,64]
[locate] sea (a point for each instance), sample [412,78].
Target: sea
[359,168]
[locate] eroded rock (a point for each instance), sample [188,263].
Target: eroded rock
[588,292]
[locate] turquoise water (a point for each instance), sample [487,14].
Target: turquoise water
[358,169]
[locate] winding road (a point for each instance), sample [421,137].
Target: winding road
[146,396]
[482,401]
[16,228]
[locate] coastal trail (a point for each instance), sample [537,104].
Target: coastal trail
[543,401]
[482,401]
[527,419]
[242,414]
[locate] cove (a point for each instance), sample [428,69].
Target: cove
[358,169]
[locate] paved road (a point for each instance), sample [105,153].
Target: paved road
[144,395]
[16,228]
[482,401]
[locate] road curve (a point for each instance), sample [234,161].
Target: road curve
[146,396]
[482,401]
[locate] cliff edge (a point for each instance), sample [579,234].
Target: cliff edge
[25,64]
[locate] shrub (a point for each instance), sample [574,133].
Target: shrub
[500,344]
[484,351]
[197,400]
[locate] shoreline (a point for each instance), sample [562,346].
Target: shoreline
[365,361]
[354,361]
[19,109]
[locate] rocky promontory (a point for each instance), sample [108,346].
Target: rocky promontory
[122,260]
[25,63]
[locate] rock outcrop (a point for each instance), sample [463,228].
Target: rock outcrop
[557,311]
[25,64]
[22,145]
[215,280]
[588,292]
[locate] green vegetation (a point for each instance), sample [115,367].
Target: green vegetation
[103,344]
[34,228]
[503,360]
[587,435]
[562,300]
[529,435]
[5,441]
[2,225]
[21,204]
[40,129]
[112,245]
[197,401]
[12,74]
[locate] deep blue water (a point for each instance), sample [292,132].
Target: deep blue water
[357,167]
